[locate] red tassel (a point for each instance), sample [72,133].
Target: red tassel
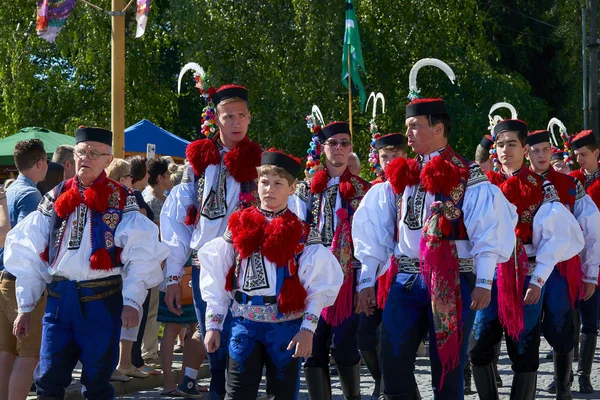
[190,218]
[44,256]
[384,284]
[571,270]
[318,184]
[119,251]
[201,153]
[402,173]
[292,296]
[242,160]
[229,279]
[342,308]
[67,202]
[101,261]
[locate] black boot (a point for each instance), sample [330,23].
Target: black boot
[485,382]
[577,323]
[371,359]
[563,364]
[497,349]
[467,374]
[523,386]
[350,381]
[586,358]
[318,383]
[414,395]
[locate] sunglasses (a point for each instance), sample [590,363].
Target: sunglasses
[336,143]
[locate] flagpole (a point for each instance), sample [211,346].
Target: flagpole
[118,77]
[349,92]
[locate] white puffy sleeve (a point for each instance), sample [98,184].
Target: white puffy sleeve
[490,220]
[24,245]
[321,275]
[298,203]
[216,257]
[557,237]
[174,232]
[142,256]
[586,213]
[373,232]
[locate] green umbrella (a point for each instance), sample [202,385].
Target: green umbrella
[51,141]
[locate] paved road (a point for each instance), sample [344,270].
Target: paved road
[424,380]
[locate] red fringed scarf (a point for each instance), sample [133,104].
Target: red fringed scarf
[524,190]
[279,241]
[241,162]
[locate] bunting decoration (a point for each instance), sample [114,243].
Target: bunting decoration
[52,16]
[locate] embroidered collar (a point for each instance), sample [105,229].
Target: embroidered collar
[94,197]
[271,214]
[594,175]
[425,158]
[241,161]
[321,179]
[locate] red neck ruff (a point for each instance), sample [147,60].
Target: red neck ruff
[321,178]
[95,197]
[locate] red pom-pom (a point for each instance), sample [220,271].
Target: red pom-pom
[247,230]
[190,216]
[96,196]
[440,175]
[288,227]
[101,261]
[211,91]
[243,159]
[347,189]
[318,184]
[292,296]
[495,178]
[402,173]
[201,153]
[229,279]
[45,255]
[564,185]
[67,202]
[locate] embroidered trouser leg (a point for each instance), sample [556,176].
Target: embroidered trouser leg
[217,360]
[487,332]
[342,340]
[368,330]
[406,319]
[79,330]
[257,344]
[557,325]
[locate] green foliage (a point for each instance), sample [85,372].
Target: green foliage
[288,53]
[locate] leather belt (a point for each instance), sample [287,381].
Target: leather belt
[412,265]
[243,298]
[116,282]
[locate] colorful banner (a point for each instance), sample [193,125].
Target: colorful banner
[52,16]
[143,8]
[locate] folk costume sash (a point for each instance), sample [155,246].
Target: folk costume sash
[106,200]
[525,191]
[281,241]
[351,189]
[240,162]
[566,188]
[445,177]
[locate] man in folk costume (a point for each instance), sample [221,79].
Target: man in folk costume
[220,178]
[279,276]
[564,283]
[327,204]
[547,234]
[453,227]
[585,147]
[96,254]
[482,154]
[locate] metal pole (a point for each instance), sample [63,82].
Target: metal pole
[593,46]
[584,66]
[118,78]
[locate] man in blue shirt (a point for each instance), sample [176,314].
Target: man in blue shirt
[18,359]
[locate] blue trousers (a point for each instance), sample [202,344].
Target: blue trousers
[557,325]
[342,340]
[254,345]
[217,360]
[368,330]
[75,330]
[407,318]
[590,311]
[524,353]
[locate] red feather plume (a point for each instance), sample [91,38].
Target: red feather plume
[201,153]
[402,173]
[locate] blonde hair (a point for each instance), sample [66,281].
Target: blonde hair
[269,169]
[176,173]
[118,169]
[229,100]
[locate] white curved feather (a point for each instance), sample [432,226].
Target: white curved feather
[503,104]
[376,98]
[316,113]
[191,66]
[562,128]
[434,62]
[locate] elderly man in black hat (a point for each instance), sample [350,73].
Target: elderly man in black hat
[96,254]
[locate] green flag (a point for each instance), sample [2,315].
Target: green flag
[352,43]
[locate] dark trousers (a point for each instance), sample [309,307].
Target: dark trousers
[487,333]
[589,314]
[342,340]
[136,350]
[368,330]
[407,318]
[74,330]
[218,359]
[254,345]
[557,325]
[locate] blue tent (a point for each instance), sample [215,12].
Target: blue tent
[139,135]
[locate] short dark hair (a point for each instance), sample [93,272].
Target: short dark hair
[54,176]
[481,154]
[444,119]
[157,167]
[593,146]
[63,153]
[139,167]
[28,152]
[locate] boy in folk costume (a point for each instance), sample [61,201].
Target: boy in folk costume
[93,250]
[563,284]
[585,147]
[280,278]
[327,203]
[453,227]
[547,234]
[219,179]
[482,154]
